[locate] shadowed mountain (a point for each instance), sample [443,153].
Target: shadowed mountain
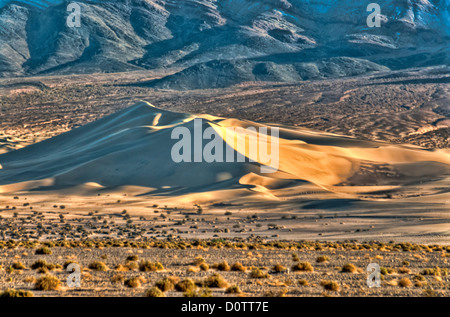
[241,40]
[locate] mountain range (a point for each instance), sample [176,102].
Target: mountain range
[213,44]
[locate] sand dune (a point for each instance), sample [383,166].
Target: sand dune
[132,148]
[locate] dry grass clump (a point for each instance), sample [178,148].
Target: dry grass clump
[435,272]
[215,281]
[199,260]
[258,273]
[404,282]
[132,258]
[43,266]
[223,266]
[98,266]
[238,267]
[330,285]
[44,251]
[349,268]
[47,283]
[322,258]
[278,268]
[16,293]
[195,292]
[204,267]
[134,282]
[147,266]
[185,285]
[69,262]
[154,292]
[165,285]
[303,282]
[404,270]
[233,289]
[118,278]
[303,266]
[18,266]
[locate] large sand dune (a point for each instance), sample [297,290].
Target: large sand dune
[337,187]
[133,148]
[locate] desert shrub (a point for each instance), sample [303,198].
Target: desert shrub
[303,282]
[44,250]
[405,282]
[233,289]
[278,268]
[147,266]
[199,260]
[185,285]
[224,266]
[238,267]
[258,273]
[69,262]
[303,266]
[349,268]
[436,271]
[18,266]
[133,257]
[419,277]
[330,285]
[47,283]
[216,280]
[195,292]
[132,266]
[16,293]
[98,266]
[322,258]
[118,278]
[204,267]
[134,282]
[154,292]
[166,284]
[404,270]
[295,257]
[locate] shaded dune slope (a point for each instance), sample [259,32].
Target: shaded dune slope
[133,148]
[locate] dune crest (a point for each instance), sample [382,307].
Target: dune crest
[132,148]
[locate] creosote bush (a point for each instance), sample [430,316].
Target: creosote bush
[98,266]
[48,283]
[147,266]
[165,285]
[44,250]
[258,273]
[238,267]
[322,258]
[154,292]
[348,268]
[330,285]
[303,266]
[185,285]
[16,293]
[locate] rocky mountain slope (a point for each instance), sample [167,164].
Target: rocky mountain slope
[236,40]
